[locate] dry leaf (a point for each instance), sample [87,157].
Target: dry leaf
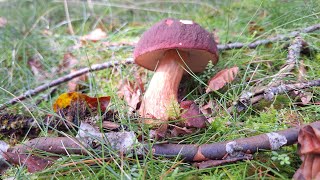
[33,163]
[66,99]
[95,35]
[192,115]
[36,67]
[132,92]
[208,110]
[309,151]
[3,22]
[221,79]
[110,125]
[302,72]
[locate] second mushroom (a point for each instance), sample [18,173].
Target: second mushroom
[171,48]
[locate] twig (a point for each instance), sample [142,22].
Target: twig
[213,163]
[280,37]
[272,91]
[64,79]
[292,60]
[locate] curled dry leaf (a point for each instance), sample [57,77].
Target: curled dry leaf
[3,22]
[66,99]
[221,79]
[95,35]
[192,115]
[32,162]
[309,151]
[36,67]
[208,110]
[132,92]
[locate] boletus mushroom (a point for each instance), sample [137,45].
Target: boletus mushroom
[170,47]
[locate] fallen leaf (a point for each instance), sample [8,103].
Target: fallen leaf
[3,164]
[66,99]
[3,22]
[110,125]
[95,35]
[302,72]
[208,109]
[192,116]
[221,79]
[36,67]
[176,131]
[132,92]
[32,162]
[309,151]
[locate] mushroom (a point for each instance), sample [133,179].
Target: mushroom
[170,47]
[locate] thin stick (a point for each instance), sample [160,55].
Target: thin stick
[64,79]
[280,37]
[272,91]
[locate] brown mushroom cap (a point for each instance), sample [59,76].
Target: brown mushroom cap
[184,35]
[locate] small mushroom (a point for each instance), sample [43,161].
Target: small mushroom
[169,48]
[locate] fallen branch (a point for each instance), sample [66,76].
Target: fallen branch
[189,152]
[215,151]
[64,79]
[272,91]
[280,37]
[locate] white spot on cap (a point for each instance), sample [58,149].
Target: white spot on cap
[180,44]
[186,21]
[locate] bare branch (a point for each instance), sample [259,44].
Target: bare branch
[257,43]
[215,151]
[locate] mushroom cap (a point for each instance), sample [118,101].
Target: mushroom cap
[184,35]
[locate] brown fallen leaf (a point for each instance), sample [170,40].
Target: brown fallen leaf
[95,35]
[132,92]
[208,109]
[221,79]
[110,125]
[36,67]
[32,162]
[3,22]
[309,151]
[192,115]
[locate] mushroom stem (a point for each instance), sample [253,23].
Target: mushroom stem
[161,95]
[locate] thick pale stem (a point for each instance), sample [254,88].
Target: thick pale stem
[161,94]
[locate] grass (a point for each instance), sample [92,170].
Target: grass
[24,37]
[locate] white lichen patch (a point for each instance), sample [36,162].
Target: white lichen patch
[276,140]
[232,148]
